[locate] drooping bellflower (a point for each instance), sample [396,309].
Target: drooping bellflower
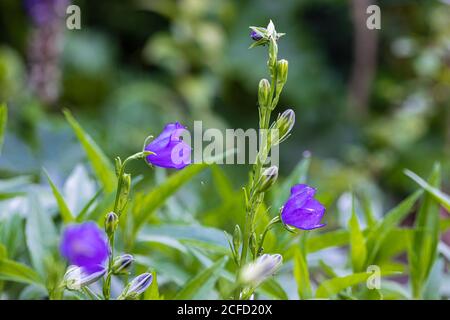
[85,245]
[301,210]
[170,151]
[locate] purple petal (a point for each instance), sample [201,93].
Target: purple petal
[85,245]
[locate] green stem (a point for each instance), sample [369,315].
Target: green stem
[255,197]
[269,226]
[116,210]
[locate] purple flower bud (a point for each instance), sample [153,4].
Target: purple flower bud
[85,245]
[122,263]
[301,210]
[255,35]
[136,287]
[170,150]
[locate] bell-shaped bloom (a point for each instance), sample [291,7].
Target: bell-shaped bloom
[170,151]
[301,210]
[85,245]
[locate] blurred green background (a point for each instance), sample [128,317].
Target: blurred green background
[368,103]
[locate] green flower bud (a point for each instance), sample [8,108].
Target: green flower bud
[282,73]
[282,127]
[253,243]
[237,238]
[122,263]
[111,223]
[124,192]
[117,165]
[268,178]
[264,98]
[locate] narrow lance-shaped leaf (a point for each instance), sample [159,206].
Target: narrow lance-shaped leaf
[203,283]
[379,232]
[441,197]
[358,249]
[62,206]
[103,168]
[426,237]
[18,272]
[301,272]
[162,192]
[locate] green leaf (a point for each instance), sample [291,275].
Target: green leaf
[437,194]
[203,283]
[3,120]
[156,198]
[64,210]
[40,235]
[184,233]
[301,274]
[152,293]
[378,234]
[81,216]
[333,286]
[423,252]
[103,168]
[11,234]
[358,249]
[321,241]
[17,272]
[272,288]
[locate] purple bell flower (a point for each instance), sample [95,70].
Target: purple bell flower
[255,35]
[85,245]
[301,210]
[169,148]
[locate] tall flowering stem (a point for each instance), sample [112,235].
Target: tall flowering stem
[271,135]
[112,218]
